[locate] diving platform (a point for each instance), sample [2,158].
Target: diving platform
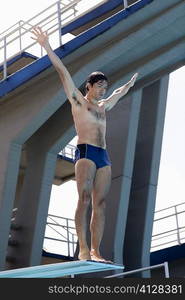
[61,269]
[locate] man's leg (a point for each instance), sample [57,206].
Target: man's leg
[100,190]
[85,171]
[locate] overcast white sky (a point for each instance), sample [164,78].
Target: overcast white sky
[172,168]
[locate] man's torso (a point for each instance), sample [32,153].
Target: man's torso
[90,123]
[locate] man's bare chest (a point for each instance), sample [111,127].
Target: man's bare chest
[89,113]
[97,113]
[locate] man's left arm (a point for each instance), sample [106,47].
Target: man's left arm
[118,93]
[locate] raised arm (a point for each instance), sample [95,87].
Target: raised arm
[73,94]
[118,93]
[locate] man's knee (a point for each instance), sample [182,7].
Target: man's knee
[86,196]
[99,204]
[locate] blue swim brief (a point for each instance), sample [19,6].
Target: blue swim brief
[97,154]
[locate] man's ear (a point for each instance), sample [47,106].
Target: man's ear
[88,85]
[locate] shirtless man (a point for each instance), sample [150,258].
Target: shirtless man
[92,163]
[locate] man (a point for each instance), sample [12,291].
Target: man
[92,166]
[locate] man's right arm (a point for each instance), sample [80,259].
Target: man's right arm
[73,94]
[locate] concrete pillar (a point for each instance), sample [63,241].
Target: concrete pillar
[41,151]
[9,158]
[122,124]
[139,225]
[21,114]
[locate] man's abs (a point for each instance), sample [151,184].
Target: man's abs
[90,130]
[92,136]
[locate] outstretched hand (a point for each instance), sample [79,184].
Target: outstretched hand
[40,36]
[133,79]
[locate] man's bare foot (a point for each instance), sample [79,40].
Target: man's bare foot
[97,257]
[84,255]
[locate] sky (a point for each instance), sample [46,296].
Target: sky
[26,10]
[171,180]
[20,10]
[172,168]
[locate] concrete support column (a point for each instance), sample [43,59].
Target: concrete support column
[9,161]
[122,124]
[139,225]
[41,154]
[32,207]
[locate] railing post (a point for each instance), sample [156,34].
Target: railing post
[59,23]
[20,38]
[41,51]
[177,223]
[166,270]
[165,265]
[73,244]
[125,3]
[5,62]
[68,246]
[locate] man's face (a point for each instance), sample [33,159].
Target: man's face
[98,89]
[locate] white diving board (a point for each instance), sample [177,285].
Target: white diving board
[60,269]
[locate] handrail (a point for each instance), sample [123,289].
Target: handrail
[6,30]
[165,234]
[155,237]
[65,227]
[168,231]
[66,7]
[72,5]
[58,240]
[70,219]
[70,238]
[57,231]
[68,151]
[178,230]
[165,265]
[169,207]
[17,33]
[56,20]
[165,244]
[59,225]
[171,215]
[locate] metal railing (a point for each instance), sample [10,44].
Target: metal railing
[169,227]
[66,241]
[68,151]
[163,265]
[65,232]
[16,39]
[62,230]
[159,240]
[125,2]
